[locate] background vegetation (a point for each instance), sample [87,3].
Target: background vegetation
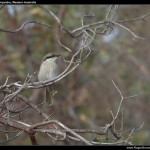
[85,97]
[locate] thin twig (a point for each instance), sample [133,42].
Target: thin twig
[134,19]
[64,127]
[23,25]
[57,19]
[63,46]
[10,139]
[129,30]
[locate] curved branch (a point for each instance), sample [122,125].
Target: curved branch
[57,20]
[129,30]
[64,127]
[134,19]
[23,25]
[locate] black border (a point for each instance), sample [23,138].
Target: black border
[67,2]
[33,2]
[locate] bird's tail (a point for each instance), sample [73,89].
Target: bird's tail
[49,98]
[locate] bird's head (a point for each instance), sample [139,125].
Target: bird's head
[49,56]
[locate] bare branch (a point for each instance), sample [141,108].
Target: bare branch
[141,126]
[129,30]
[133,96]
[14,94]
[129,136]
[134,19]
[10,139]
[57,20]
[64,127]
[63,46]
[108,13]
[117,89]
[24,24]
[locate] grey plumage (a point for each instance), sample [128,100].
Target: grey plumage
[49,69]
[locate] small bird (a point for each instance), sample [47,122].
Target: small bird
[49,69]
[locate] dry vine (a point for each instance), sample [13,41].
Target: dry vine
[14,103]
